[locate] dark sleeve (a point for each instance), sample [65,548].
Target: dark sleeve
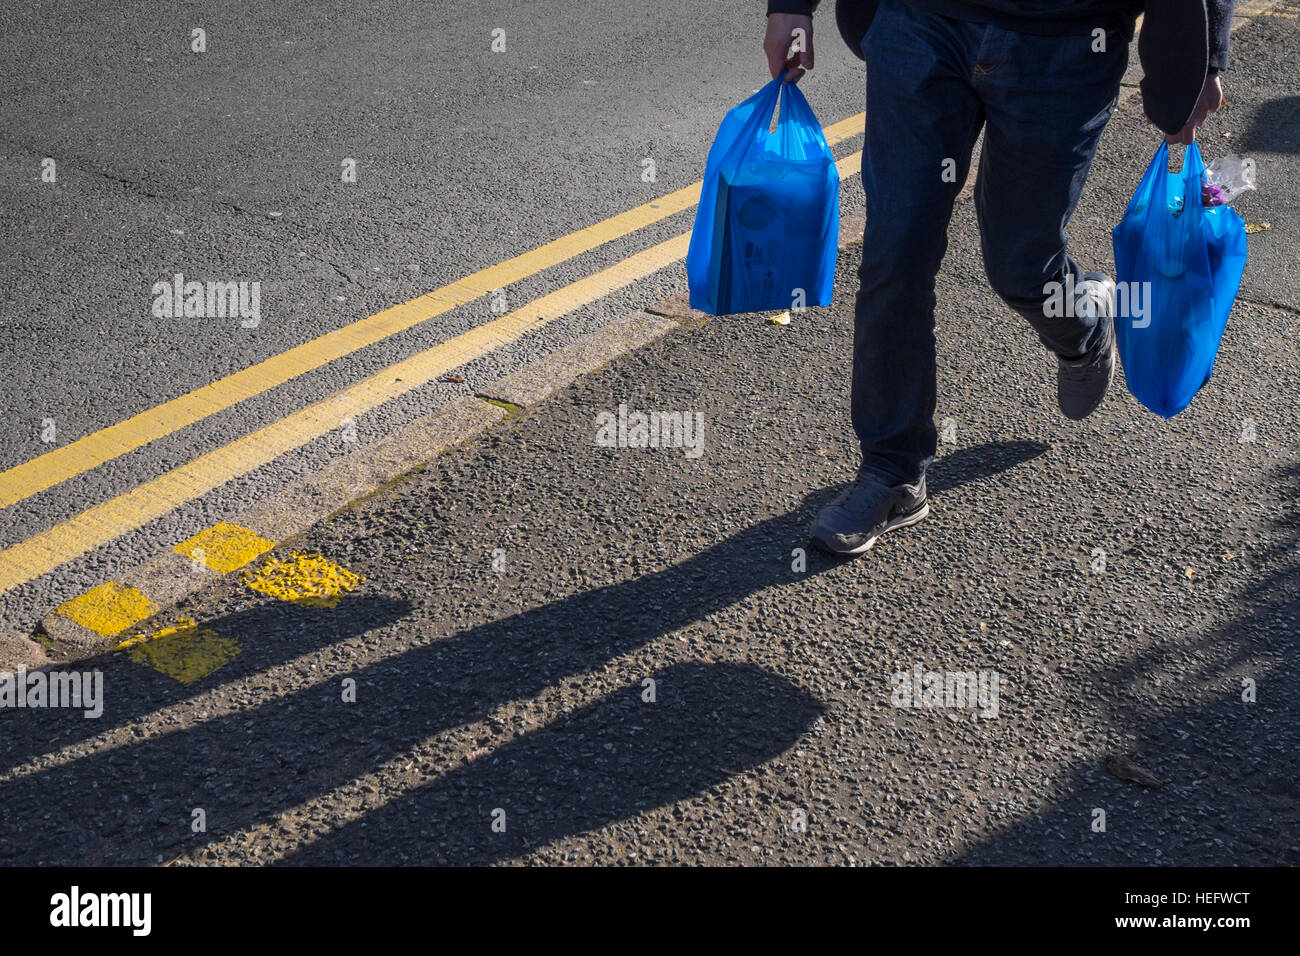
[1220,29]
[806,7]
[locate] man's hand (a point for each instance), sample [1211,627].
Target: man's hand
[1211,99]
[789,45]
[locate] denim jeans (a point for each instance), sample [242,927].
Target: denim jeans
[932,83]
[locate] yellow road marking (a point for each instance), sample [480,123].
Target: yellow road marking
[44,552]
[185,652]
[32,477]
[1254,8]
[224,547]
[837,133]
[308,579]
[108,609]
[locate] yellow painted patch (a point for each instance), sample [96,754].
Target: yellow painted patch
[1254,227]
[224,547]
[184,652]
[108,609]
[308,579]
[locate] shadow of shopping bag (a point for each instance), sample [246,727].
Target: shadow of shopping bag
[766,232]
[1183,261]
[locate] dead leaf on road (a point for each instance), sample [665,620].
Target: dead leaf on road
[1124,768]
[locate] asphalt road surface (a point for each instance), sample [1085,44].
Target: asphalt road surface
[554,651]
[227,166]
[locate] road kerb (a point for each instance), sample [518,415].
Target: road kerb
[539,380]
[97,620]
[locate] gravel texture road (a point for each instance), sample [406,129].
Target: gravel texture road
[565,653]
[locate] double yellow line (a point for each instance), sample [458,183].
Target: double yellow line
[42,553]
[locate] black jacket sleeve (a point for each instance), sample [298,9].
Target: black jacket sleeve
[1219,17]
[805,7]
[1220,23]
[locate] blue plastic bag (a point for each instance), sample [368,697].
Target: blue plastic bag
[1192,256]
[766,232]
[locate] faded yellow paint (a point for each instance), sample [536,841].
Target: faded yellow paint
[32,477]
[224,547]
[837,133]
[108,609]
[308,579]
[183,624]
[184,652]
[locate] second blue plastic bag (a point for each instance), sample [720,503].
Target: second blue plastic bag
[766,232]
[1178,264]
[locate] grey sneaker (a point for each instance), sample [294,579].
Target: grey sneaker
[1081,383]
[851,523]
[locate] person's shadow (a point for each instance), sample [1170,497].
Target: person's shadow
[135,802]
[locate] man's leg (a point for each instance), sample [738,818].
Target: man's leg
[922,121]
[1047,101]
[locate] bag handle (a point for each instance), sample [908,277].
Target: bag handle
[1177,226]
[1193,174]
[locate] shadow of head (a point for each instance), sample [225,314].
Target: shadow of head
[680,732]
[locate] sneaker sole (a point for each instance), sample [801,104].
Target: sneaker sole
[903,521]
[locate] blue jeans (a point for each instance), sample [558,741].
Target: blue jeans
[932,82]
